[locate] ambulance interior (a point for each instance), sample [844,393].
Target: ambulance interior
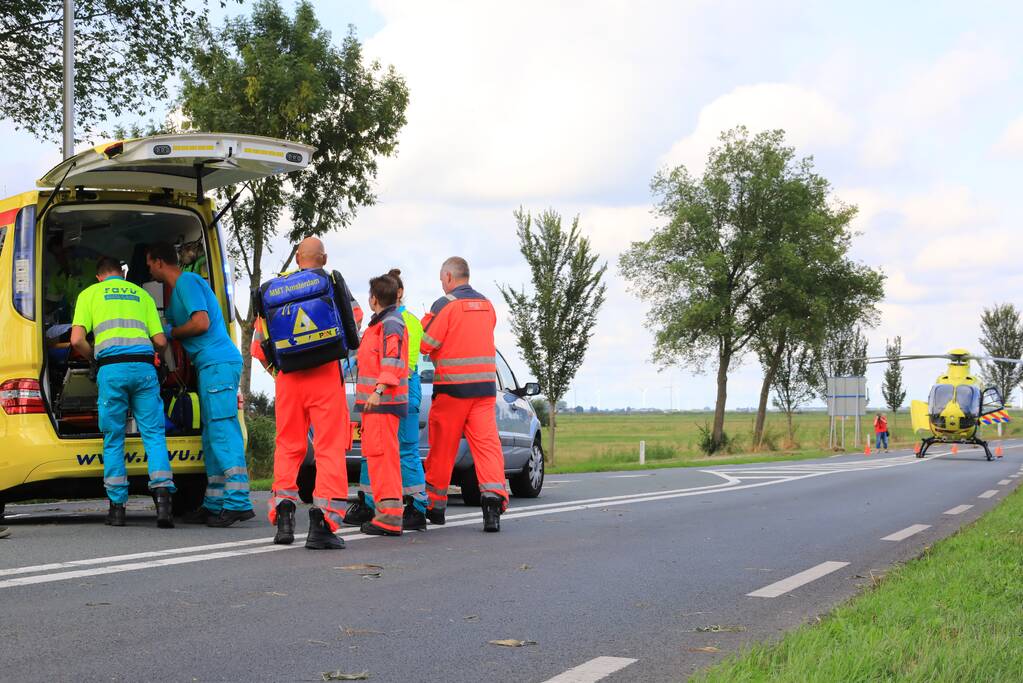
[75,236]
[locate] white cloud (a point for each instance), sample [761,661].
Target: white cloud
[928,96]
[810,120]
[1010,144]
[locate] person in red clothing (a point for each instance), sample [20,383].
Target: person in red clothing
[316,396]
[458,335]
[381,395]
[881,432]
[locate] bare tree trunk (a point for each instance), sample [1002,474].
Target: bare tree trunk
[553,425]
[719,407]
[765,391]
[792,435]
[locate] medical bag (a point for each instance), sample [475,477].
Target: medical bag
[308,317]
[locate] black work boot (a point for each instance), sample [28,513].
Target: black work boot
[285,523]
[358,513]
[491,505]
[320,537]
[164,517]
[411,518]
[115,515]
[228,517]
[200,515]
[435,515]
[371,529]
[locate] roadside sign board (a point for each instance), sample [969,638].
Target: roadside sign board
[847,396]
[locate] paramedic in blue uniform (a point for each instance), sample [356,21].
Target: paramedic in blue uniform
[194,319]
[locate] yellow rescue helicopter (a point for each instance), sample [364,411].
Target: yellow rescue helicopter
[957,405]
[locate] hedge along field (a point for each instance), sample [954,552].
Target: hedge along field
[605,439]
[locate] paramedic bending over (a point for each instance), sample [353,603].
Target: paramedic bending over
[194,318]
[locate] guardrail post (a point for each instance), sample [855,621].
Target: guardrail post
[642,452]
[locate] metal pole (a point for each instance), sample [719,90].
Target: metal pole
[69,78]
[642,452]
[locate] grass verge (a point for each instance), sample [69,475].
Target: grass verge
[954,614]
[611,464]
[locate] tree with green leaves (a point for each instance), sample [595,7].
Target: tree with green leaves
[281,76]
[790,385]
[125,52]
[813,280]
[892,388]
[709,271]
[553,325]
[1001,335]
[843,354]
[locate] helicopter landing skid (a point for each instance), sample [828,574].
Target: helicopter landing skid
[924,445]
[987,451]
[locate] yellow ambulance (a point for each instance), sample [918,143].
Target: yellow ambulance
[112,200]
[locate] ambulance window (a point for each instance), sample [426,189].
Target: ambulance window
[23,279]
[504,374]
[3,237]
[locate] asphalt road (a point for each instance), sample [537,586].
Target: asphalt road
[624,575]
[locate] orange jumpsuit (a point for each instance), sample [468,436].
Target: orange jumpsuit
[459,338]
[302,398]
[383,359]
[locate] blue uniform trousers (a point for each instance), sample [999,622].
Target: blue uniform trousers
[227,478]
[413,480]
[131,384]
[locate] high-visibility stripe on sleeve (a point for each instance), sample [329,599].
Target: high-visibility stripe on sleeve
[430,341]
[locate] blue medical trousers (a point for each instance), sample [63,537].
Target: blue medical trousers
[413,481]
[227,478]
[131,384]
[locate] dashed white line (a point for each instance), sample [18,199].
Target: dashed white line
[1004,482]
[796,580]
[958,510]
[907,532]
[991,493]
[629,476]
[593,670]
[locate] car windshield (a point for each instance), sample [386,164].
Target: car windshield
[969,399]
[351,367]
[941,394]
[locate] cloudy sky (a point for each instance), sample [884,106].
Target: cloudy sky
[914,111]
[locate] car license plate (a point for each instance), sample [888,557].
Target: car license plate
[356,431]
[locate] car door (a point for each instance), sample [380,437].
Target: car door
[518,418]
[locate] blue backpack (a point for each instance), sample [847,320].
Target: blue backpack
[309,319]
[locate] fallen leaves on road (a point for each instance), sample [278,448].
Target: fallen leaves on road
[361,567]
[96,604]
[709,648]
[525,567]
[718,628]
[277,595]
[318,642]
[471,617]
[349,631]
[511,642]
[342,676]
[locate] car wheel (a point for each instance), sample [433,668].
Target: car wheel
[470,486]
[306,483]
[2,506]
[528,482]
[190,493]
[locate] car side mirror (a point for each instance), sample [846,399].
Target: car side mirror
[531,389]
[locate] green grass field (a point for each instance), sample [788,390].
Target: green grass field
[595,442]
[954,614]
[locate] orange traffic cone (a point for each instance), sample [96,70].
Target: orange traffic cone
[916,449]
[955,449]
[866,449]
[998,450]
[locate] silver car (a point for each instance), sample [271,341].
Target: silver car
[517,425]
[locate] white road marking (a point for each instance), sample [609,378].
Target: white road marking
[1004,482]
[906,533]
[561,481]
[629,476]
[958,510]
[796,580]
[991,493]
[236,548]
[593,670]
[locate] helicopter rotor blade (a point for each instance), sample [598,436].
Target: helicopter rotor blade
[989,359]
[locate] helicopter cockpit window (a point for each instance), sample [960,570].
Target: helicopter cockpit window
[941,394]
[968,398]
